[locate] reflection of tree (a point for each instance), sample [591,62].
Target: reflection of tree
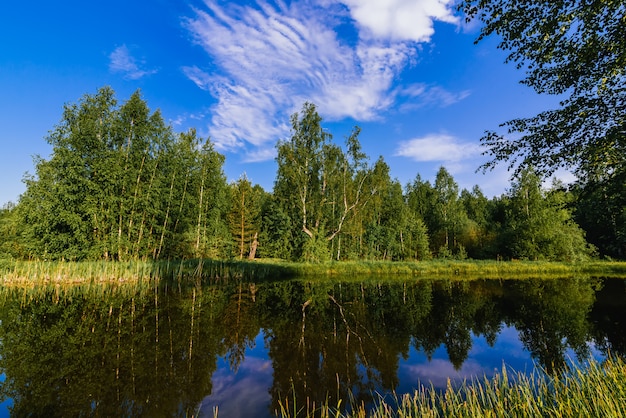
[347,341]
[86,355]
[458,309]
[240,322]
[551,316]
[607,317]
[153,352]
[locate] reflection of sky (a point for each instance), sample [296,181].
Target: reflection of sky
[4,406]
[482,360]
[244,393]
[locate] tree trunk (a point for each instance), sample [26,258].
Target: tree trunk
[253,247]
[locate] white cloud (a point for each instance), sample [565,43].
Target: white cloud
[425,95]
[121,61]
[438,147]
[268,60]
[199,77]
[400,20]
[260,154]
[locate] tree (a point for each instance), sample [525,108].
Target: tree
[480,236]
[600,209]
[318,185]
[244,214]
[450,219]
[10,228]
[120,185]
[539,226]
[572,48]
[275,238]
[575,49]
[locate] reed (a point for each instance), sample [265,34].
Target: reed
[597,389]
[38,273]
[463,269]
[18,273]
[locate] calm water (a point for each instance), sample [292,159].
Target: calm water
[241,347]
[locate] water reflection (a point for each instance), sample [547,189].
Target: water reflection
[243,346]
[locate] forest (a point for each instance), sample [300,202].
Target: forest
[120,184]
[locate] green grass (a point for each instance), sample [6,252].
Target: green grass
[34,273]
[594,390]
[482,269]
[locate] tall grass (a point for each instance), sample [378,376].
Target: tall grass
[45,273]
[37,273]
[463,268]
[593,390]
[34,273]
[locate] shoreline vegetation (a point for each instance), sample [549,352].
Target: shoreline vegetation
[16,273]
[596,389]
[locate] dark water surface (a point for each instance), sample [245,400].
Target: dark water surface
[241,347]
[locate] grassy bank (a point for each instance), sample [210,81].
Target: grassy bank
[596,390]
[31,273]
[464,268]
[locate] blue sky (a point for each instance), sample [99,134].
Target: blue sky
[406,71]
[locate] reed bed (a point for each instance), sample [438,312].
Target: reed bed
[597,389]
[37,273]
[18,273]
[483,269]
[46,273]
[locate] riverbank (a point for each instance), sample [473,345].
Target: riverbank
[596,389]
[31,273]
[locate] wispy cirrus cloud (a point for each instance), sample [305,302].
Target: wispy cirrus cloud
[267,60]
[422,95]
[123,62]
[438,147]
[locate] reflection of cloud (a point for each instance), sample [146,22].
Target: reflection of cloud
[240,394]
[267,59]
[121,61]
[438,372]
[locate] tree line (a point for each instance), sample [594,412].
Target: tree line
[120,184]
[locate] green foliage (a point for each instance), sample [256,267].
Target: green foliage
[120,185]
[244,217]
[539,226]
[275,240]
[318,185]
[571,48]
[11,244]
[315,249]
[600,209]
[576,50]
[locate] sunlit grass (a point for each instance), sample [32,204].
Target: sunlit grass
[463,269]
[34,273]
[45,273]
[593,390]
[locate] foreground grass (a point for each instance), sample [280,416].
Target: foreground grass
[32,273]
[595,390]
